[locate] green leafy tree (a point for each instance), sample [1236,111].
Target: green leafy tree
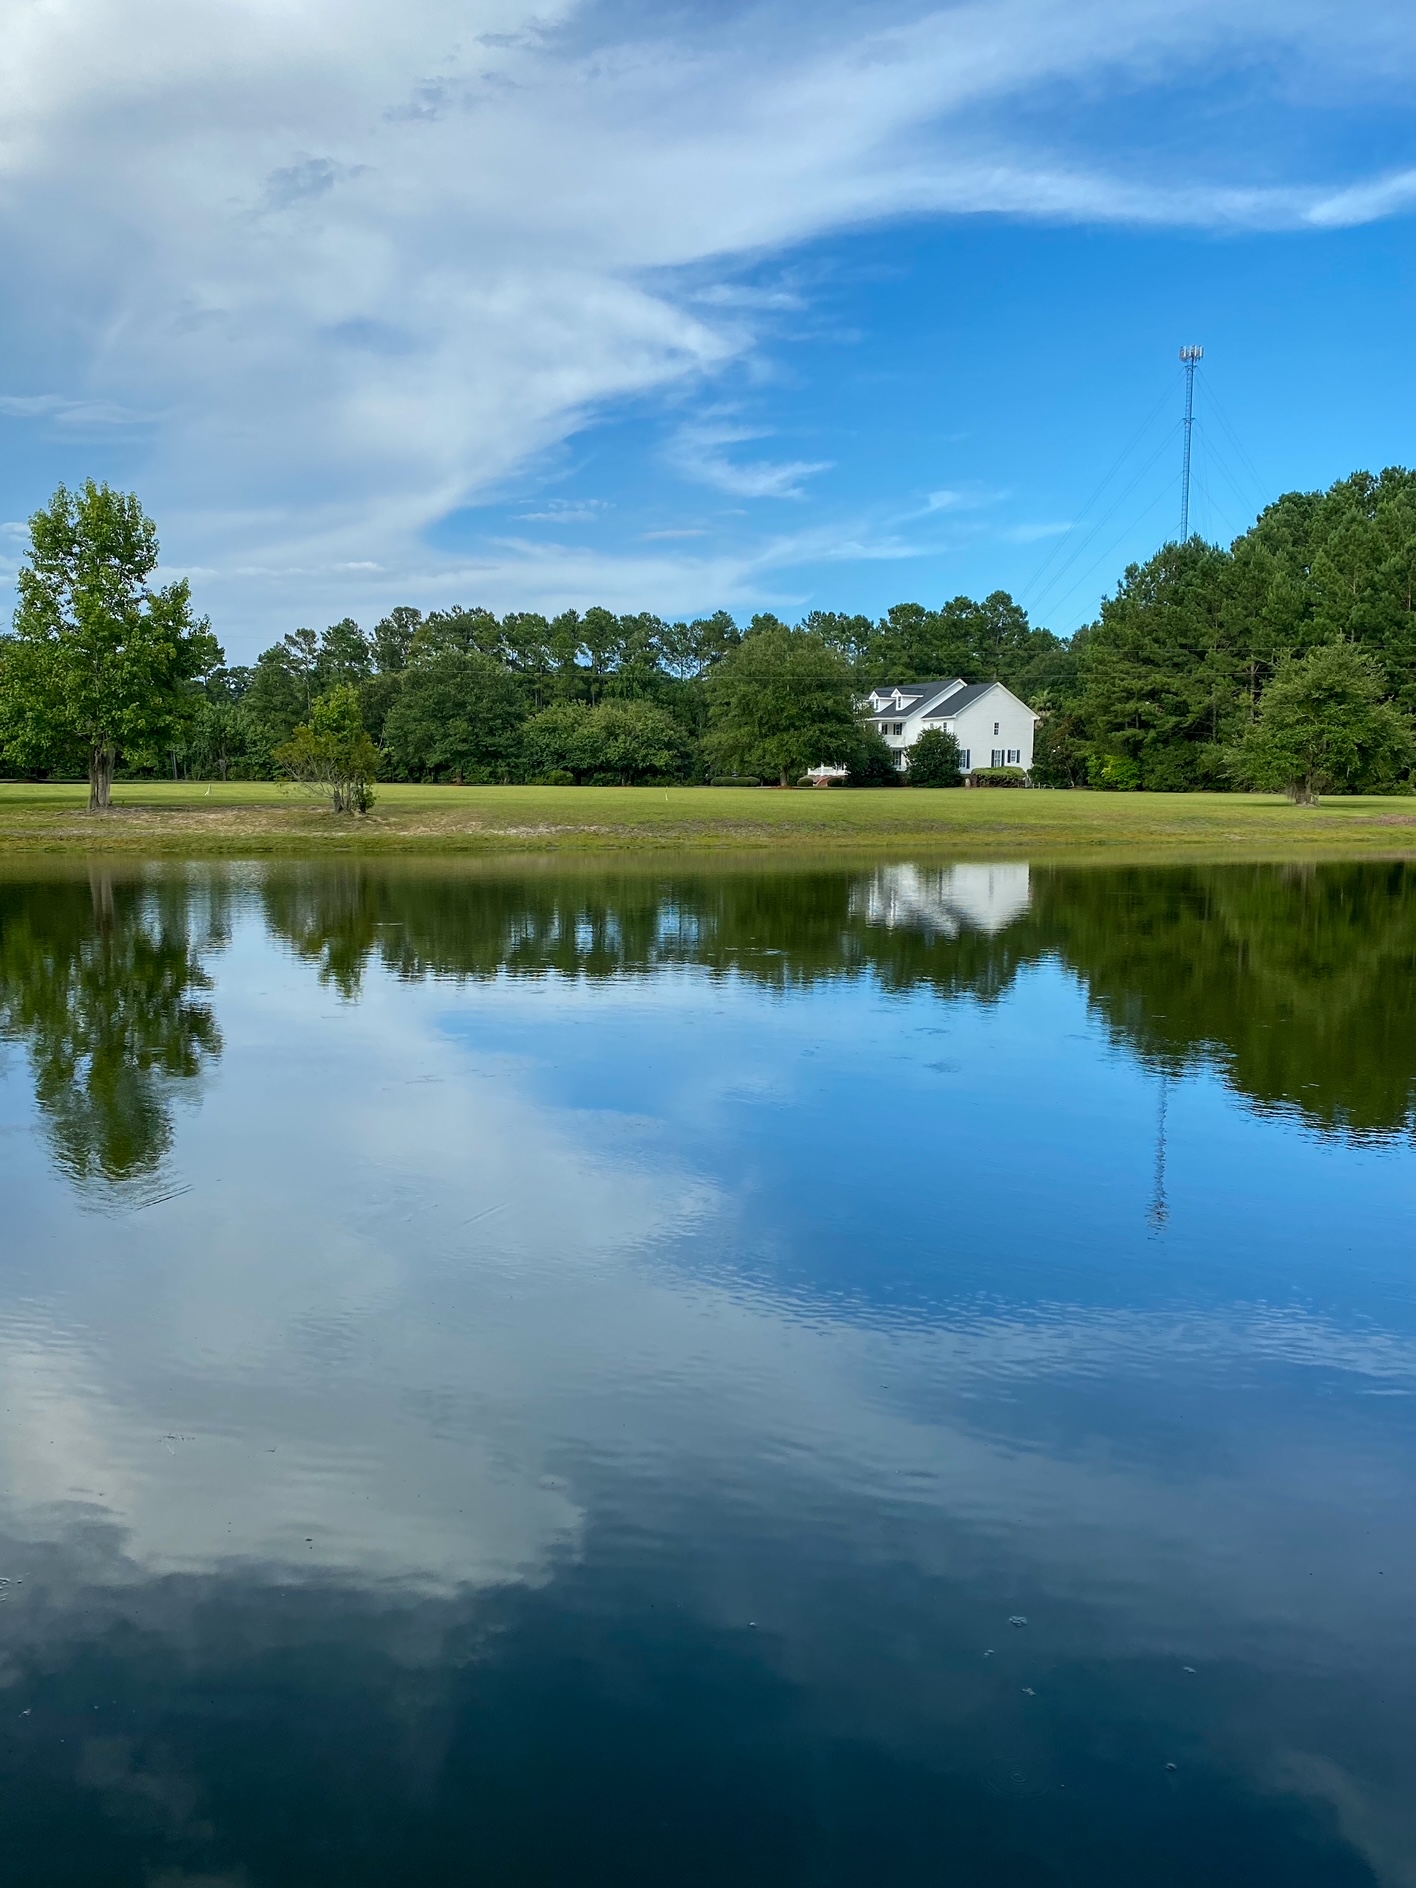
[1174,671]
[332,754]
[526,641]
[850,636]
[219,735]
[936,760]
[635,741]
[457,717]
[276,701]
[99,661]
[871,762]
[345,655]
[991,641]
[779,703]
[1323,727]
[393,638]
[302,659]
[688,650]
[615,743]
[1059,751]
[470,631]
[1158,673]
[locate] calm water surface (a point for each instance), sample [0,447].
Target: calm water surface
[543,1376]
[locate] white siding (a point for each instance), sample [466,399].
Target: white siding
[997,723]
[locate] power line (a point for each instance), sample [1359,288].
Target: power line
[1030,588]
[1167,490]
[1219,463]
[1102,523]
[1245,462]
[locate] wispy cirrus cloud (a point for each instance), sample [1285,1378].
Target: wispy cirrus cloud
[568,511]
[701,450]
[59,410]
[352,267]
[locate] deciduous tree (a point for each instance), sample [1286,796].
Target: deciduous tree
[780,702]
[1323,727]
[332,753]
[616,742]
[99,660]
[457,716]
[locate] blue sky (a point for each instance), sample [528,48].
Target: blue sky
[681,307]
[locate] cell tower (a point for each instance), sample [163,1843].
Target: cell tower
[1190,358]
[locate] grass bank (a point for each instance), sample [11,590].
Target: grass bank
[259,820]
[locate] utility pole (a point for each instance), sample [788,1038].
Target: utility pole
[1190,358]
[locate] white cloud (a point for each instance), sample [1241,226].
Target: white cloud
[699,451]
[353,265]
[65,412]
[568,511]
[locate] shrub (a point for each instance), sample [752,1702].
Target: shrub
[998,777]
[331,752]
[557,777]
[935,760]
[1059,752]
[735,780]
[871,762]
[1115,773]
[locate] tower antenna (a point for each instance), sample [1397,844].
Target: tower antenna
[1190,358]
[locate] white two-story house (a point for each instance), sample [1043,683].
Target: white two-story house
[993,728]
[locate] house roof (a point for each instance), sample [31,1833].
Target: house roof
[939,701]
[963,698]
[914,693]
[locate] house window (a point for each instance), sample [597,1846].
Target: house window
[964,759]
[1015,757]
[898,728]
[997,760]
[995,727]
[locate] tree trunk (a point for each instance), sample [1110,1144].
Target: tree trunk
[784,782]
[101,893]
[100,778]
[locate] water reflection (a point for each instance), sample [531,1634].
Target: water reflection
[627,1341]
[946,899]
[102,981]
[1293,980]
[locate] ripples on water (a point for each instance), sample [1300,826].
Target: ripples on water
[543,1375]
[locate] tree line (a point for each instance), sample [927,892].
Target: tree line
[1287,660]
[598,698]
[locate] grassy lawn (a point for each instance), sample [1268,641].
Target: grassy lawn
[256,819]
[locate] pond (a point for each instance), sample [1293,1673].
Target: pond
[546,1373]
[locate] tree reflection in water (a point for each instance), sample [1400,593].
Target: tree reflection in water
[1295,982]
[101,980]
